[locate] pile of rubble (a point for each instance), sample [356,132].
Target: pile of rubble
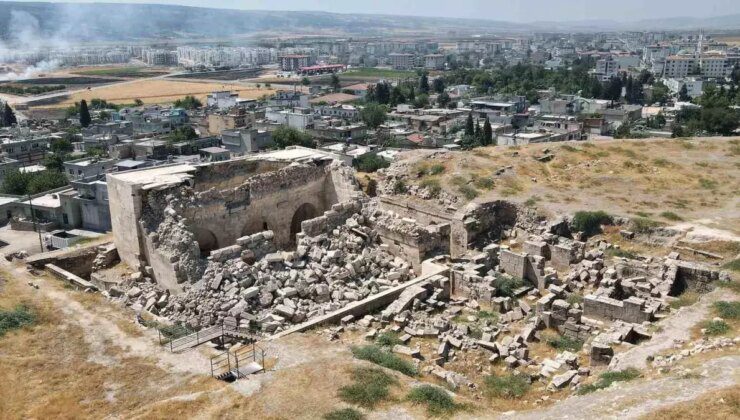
[695,347]
[252,284]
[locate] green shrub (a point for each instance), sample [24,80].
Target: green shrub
[468,192]
[728,310]
[388,339]
[562,342]
[436,169]
[574,298]
[484,183]
[621,253]
[531,201]
[733,265]
[716,328]
[707,184]
[370,162]
[661,162]
[685,299]
[377,355]
[370,387]
[433,185]
[643,225]
[508,386]
[344,414]
[437,400]
[589,222]
[671,216]
[492,316]
[606,379]
[19,317]
[505,286]
[399,187]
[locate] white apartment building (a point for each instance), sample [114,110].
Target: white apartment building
[694,85]
[679,66]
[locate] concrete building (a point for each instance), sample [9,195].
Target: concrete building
[87,167]
[679,66]
[293,62]
[222,100]
[694,85]
[235,118]
[434,61]
[298,118]
[288,99]
[400,61]
[606,68]
[246,140]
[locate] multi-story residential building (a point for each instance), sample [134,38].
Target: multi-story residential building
[714,65]
[288,99]
[402,61]
[293,62]
[434,61]
[606,68]
[233,119]
[694,85]
[679,66]
[155,57]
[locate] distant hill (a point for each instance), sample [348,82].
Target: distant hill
[111,22]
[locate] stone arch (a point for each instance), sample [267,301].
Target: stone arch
[305,212]
[252,228]
[207,241]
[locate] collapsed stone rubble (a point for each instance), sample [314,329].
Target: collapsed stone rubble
[253,284]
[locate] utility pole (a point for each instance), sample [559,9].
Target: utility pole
[35,225]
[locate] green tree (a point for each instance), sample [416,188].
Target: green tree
[469,126]
[661,93]
[9,117]
[438,85]
[189,102]
[45,181]
[285,136]
[683,94]
[443,99]
[306,81]
[180,134]
[336,84]
[487,133]
[138,102]
[421,101]
[84,114]
[373,115]
[16,182]
[424,83]
[469,142]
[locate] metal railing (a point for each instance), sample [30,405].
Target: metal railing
[207,334]
[234,362]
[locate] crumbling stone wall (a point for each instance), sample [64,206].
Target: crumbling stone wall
[166,225]
[407,239]
[631,309]
[329,221]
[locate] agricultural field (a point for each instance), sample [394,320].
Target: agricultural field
[158,91]
[123,72]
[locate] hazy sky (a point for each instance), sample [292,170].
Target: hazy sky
[510,10]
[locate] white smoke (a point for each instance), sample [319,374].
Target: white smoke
[45,66]
[25,43]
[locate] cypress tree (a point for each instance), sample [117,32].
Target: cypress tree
[469,129]
[9,116]
[487,133]
[84,114]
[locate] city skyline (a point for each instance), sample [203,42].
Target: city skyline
[496,10]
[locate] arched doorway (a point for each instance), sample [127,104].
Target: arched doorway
[304,212]
[207,241]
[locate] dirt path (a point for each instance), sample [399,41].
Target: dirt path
[634,399]
[101,330]
[676,327]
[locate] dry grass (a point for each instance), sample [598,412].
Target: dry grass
[160,91]
[723,404]
[620,177]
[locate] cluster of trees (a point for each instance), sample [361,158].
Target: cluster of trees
[370,162]
[526,79]
[188,102]
[8,116]
[61,150]
[180,134]
[286,136]
[30,90]
[476,136]
[415,92]
[23,183]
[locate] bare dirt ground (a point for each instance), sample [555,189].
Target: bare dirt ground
[669,180]
[676,328]
[635,399]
